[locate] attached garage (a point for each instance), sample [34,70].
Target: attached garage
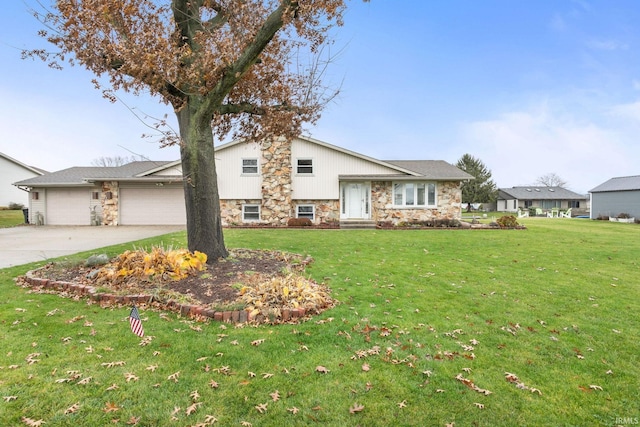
[68,206]
[152,205]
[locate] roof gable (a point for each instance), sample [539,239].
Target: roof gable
[37,171]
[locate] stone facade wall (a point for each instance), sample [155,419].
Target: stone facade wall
[110,205]
[276,181]
[326,210]
[231,211]
[448,194]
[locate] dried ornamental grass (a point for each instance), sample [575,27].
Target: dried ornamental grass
[158,264]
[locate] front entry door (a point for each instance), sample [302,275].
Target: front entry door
[355,200]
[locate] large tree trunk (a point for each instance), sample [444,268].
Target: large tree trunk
[204,222]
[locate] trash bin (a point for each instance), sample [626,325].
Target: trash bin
[25,212]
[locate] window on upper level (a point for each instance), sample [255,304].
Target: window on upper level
[304,166]
[250,166]
[414,194]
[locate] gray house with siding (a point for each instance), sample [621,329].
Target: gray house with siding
[616,196]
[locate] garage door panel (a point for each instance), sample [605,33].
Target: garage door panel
[66,206]
[152,205]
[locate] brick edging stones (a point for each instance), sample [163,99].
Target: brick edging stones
[188,310]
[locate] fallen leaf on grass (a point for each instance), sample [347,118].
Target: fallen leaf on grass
[110,407]
[366,367]
[72,409]
[112,387]
[479,405]
[31,422]
[84,381]
[131,377]
[192,408]
[266,375]
[213,384]
[275,396]
[402,404]
[174,377]
[595,387]
[133,421]
[9,398]
[293,410]
[262,408]
[257,342]
[322,369]
[356,407]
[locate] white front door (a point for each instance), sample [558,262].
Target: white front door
[355,200]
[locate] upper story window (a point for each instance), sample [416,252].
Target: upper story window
[304,166]
[250,166]
[414,194]
[35,195]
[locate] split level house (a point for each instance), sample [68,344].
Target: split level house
[259,183]
[545,198]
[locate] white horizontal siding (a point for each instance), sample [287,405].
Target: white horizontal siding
[232,184]
[11,172]
[327,165]
[37,207]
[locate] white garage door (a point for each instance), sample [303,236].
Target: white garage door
[68,206]
[152,205]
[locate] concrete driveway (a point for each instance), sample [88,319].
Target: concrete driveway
[21,245]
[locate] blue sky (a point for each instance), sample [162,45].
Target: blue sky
[528,87]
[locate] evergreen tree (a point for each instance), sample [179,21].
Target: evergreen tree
[482,189]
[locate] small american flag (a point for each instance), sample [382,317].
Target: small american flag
[135,322]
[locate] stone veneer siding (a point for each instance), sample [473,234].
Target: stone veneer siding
[326,210]
[448,195]
[276,208]
[110,206]
[231,211]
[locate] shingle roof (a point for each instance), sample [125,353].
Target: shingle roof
[539,193]
[621,183]
[432,169]
[79,175]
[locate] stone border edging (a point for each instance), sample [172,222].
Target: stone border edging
[187,310]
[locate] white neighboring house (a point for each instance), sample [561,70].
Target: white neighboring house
[266,183]
[12,170]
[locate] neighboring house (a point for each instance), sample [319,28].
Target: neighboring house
[546,198]
[616,196]
[11,170]
[258,184]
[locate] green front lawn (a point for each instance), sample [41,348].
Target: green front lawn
[10,218]
[485,328]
